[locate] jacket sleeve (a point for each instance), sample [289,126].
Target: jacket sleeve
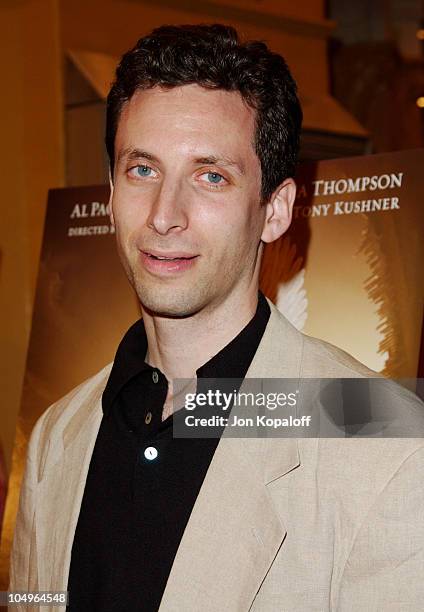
[23,562]
[385,569]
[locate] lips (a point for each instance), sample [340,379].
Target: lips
[167,264]
[174,256]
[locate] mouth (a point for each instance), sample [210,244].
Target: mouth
[165,264]
[168,256]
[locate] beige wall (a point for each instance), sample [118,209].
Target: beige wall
[297,30]
[31,161]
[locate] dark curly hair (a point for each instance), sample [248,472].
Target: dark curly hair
[212,56]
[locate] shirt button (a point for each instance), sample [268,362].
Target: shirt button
[151,453]
[155,377]
[148,418]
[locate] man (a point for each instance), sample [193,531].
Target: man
[202,134]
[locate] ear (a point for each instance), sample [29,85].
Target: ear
[279,211]
[112,220]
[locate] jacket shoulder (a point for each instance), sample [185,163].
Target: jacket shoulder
[380,402]
[322,359]
[316,358]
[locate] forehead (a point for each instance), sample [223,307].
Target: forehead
[189,116]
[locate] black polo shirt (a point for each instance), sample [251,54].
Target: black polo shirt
[136,501]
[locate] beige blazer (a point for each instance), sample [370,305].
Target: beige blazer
[280,525]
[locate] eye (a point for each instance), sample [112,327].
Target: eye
[213,178]
[142,171]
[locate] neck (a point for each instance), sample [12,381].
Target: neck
[178,347]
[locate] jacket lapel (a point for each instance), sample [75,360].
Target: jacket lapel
[61,488]
[231,539]
[234,531]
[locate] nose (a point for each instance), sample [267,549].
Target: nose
[168,212]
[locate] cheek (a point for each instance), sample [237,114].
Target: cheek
[235,221]
[231,238]
[128,211]
[245,227]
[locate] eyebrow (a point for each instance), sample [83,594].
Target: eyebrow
[131,154]
[221,161]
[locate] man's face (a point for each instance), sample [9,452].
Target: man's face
[186,198]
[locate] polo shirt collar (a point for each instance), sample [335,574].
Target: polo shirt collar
[232,361]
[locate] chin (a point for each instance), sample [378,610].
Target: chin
[168,302]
